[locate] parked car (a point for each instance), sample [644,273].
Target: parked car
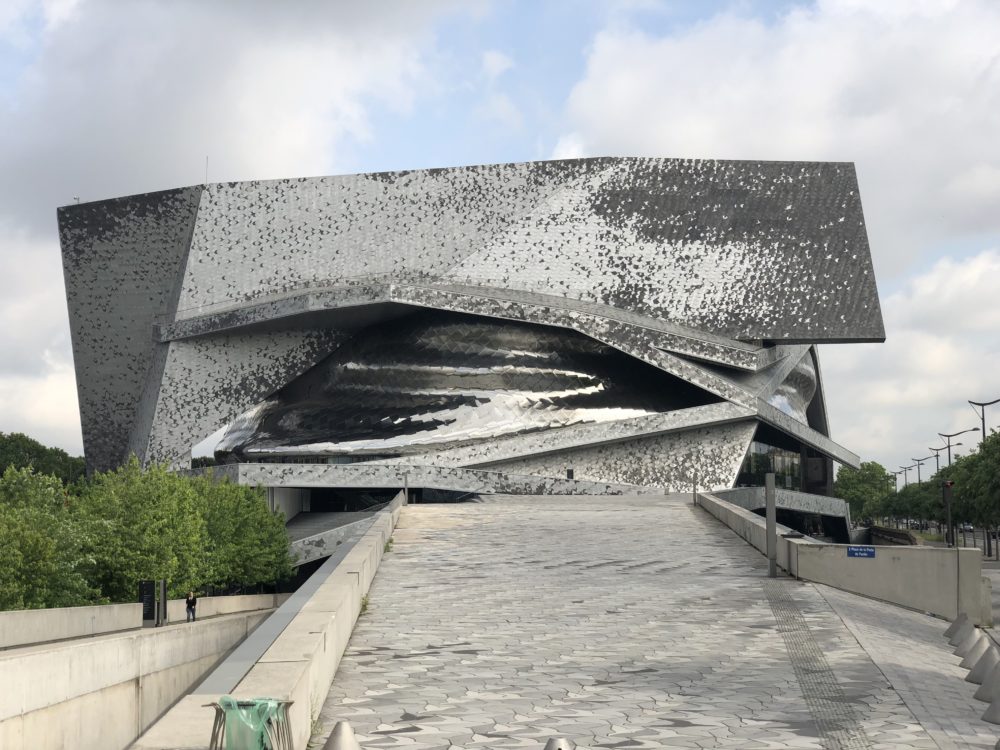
[966,527]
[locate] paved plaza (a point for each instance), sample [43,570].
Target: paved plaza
[630,623]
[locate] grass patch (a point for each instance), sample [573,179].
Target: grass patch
[388,545]
[929,536]
[364,605]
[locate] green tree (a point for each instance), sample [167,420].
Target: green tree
[142,525]
[21,451]
[977,483]
[41,547]
[865,490]
[916,501]
[247,543]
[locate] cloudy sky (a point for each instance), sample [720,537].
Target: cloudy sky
[100,98]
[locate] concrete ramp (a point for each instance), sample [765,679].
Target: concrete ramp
[630,622]
[314,536]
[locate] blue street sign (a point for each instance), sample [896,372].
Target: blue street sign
[856,550]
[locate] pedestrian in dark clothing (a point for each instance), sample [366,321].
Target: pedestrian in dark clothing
[191,602]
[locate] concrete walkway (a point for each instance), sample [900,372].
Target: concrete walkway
[630,623]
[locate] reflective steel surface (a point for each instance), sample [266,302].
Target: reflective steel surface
[437,379]
[796,392]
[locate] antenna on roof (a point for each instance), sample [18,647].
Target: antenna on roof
[76,198]
[206,169]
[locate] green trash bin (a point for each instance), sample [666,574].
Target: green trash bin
[258,724]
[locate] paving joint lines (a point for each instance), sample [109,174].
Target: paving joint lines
[835,717]
[505,623]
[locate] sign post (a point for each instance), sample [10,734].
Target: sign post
[772,526]
[161,613]
[147,598]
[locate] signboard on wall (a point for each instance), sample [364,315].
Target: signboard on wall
[858,550]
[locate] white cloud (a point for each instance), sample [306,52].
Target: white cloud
[44,408]
[33,319]
[500,108]
[569,146]
[126,99]
[888,401]
[496,64]
[908,91]
[119,98]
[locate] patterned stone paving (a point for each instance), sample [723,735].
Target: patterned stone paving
[917,660]
[624,623]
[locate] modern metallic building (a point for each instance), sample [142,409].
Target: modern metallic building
[567,326]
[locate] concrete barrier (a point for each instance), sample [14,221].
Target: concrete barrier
[301,662]
[938,580]
[101,693]
[213,606]
[25,627]
[990,689]
[984,666]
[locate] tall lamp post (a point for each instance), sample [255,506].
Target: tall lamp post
[906,476]
[895,480]
[982,411]
[937,457]
[919,463]
[982,417]
[948,437]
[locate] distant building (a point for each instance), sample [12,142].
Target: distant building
[563,326]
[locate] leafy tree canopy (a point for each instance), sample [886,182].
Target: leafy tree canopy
[864,489]
[21,451]
[41,547]
[93,541]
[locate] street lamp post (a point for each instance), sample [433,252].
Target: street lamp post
[937,457]
[919,463]
[982,417]
[906,476]
[948,437]
[982,411]
[895,480]
[946,496]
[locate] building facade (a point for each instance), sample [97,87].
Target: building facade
[580,325]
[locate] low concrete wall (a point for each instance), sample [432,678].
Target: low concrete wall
[300,664]
[941,581]
[213,606]
[24,627]
[101,693]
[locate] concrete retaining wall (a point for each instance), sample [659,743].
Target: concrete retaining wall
[752,498]
[24,627]
[288,500]
[300,664]
[101,693]
[938,580]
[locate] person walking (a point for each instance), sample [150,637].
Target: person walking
[190,603]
